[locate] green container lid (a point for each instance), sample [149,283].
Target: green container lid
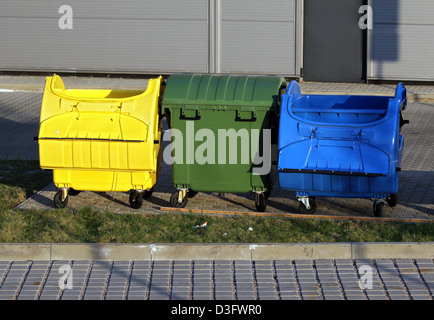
[222,91]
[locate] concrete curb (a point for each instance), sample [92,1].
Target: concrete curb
[149,252]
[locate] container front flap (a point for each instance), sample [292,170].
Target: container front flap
[222,90]
[94,126]
[98,114]
[334,156]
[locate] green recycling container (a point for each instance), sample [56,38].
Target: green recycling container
[223,128]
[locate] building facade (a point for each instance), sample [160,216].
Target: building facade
[314,40]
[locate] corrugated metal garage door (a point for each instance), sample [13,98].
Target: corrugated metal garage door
[401,43]
[110,35]
[258,36]
[149,36]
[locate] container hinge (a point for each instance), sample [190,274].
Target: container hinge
[246,116]
[194,116]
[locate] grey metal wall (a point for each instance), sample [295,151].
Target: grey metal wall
[155,36]
[258,36]
[401,43]
[110,35]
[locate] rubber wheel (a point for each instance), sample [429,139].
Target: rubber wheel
[392,199]
[73,192]
[378,209]
[147,193]
[136,203]
[174,200]
[267,194]
[303,210]
[58,200]
[260,202]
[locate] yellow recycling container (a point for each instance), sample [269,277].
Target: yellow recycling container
[101,140]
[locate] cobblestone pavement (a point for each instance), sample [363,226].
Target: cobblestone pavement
[19,123]
[218,280]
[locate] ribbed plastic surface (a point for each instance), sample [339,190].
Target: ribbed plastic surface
[340,145]
[87,136]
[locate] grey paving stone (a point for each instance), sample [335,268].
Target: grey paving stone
[398,297]
[224,297]
[377,297]
[289,297]
[135,297]
[47,297]
[26,297]
[333,297]
[92,297]
[267,297]
[355,297]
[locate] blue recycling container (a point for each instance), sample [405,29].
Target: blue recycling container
[341,146]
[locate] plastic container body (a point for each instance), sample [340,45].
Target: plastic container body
[101,140]
[227,116]
[339,145]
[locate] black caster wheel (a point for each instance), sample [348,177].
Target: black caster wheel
[73,192]
[260,201]
[147,193]
[267,194]
[378,209]
[392,200]
[58,203]
[175,203]
[191,193]
[303,210]
[136,200]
